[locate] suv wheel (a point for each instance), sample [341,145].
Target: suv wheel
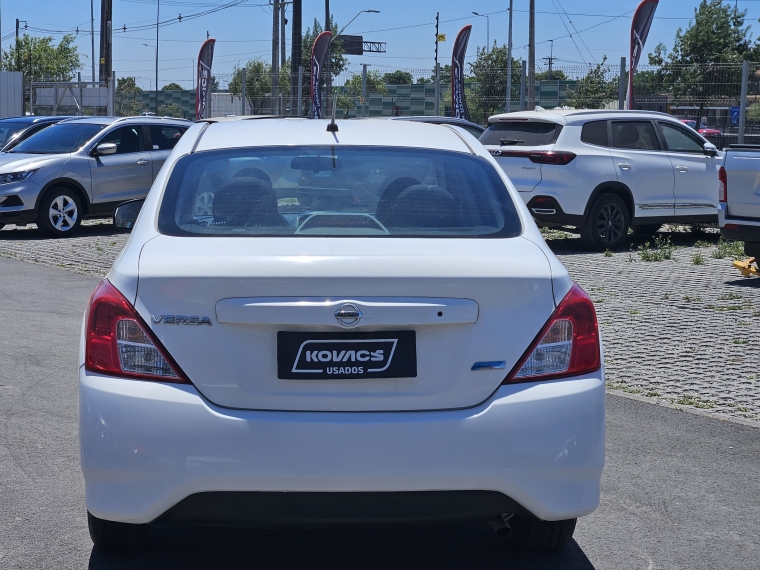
[115,536]
[60,213]
[531,533]
[606,226]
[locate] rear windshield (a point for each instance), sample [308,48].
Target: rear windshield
[60,138]
[330,191]
[520,133]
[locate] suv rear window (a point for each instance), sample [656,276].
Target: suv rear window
[336,191]
[595,132]
[521,133]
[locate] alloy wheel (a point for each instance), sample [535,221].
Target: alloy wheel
[204,204]
[610,223]
[63,213]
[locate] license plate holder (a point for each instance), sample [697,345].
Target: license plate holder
[346,355]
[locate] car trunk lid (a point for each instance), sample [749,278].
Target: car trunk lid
[442,304]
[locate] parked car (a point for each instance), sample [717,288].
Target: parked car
[365,326]
[739,197]
[703,129]
[83,168]
[605,171]
[14,130]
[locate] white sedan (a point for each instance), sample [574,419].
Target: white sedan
[315,327]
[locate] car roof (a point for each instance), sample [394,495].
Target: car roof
[126,120]
[576,116]
[438,120]
[295,130]
[31,119]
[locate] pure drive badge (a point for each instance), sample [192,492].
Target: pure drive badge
[309,356]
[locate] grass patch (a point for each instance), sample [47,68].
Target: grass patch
[695,402]
[652,394]
[607,253]
[698,259]
[661,251]
[729,297]
[742,409]
[740,341]
[702,243]
[691,299]
[634,312]
[733,249]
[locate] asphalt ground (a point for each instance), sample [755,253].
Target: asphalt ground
[679,490]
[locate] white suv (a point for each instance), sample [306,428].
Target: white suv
[605,171]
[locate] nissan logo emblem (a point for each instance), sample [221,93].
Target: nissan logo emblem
[348,314]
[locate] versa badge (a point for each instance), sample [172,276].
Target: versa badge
[180,320]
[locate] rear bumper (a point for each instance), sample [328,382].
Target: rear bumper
[738,229]
[146,447]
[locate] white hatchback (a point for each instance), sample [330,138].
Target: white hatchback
[311,327]
[604,171]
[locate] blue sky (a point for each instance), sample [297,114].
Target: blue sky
[408,27]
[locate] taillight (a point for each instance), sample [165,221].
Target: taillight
[722,185]
[568,345]
[119,343]
[541,156]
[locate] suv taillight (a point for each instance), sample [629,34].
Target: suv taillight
[541,156]
[722,185]
[119,343]
[568,345]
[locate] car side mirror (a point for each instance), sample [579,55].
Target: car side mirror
[126,214]
[710,149]
[105,148]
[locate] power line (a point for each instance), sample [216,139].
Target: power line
[576,31]
[567,29]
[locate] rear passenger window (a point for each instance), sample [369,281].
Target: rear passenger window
[521,133]
[634,135]
[595,132]
[165,137]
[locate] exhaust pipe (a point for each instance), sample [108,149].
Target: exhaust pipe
[500,524]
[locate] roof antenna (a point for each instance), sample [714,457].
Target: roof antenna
[333,127]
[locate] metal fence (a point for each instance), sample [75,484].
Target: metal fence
[708,95]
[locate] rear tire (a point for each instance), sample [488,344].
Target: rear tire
[606,226]
[646,229]
[531,533]
[116,536]
[60,212]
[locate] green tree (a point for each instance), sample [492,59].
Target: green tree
[214,83]
[172,87]
[352,91]
[41,60]
[171,110]
[557,75]
[489,91]
[128,97]
[398,77]
[593,90]
[716,35]
[258,84]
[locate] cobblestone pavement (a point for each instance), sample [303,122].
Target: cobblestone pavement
[683,331]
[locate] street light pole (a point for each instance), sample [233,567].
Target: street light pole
[488,29]
[158,10]
[92,37]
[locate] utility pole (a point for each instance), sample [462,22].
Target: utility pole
[283,23]
[532,56]
[550,60]
[92,36]
[509,62]
[105,67]
[296,54]
[364,89]
[436,106]
[275,52]
[18,53]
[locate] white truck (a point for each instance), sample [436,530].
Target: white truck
[739,200]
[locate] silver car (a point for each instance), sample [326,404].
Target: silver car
[83,168]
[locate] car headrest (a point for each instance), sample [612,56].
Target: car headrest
[238,201]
